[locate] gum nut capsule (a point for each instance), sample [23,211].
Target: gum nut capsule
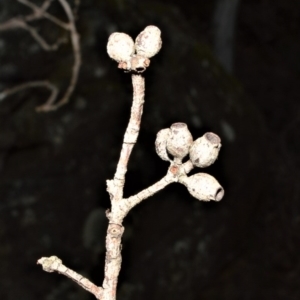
[161,144]
[148,42]
[205,150]
[179,140]
[120,46]
[204,187]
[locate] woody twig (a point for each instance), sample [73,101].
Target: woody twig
[172,144]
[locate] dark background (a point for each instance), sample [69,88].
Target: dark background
[53,166]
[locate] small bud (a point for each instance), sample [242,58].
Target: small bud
[204,187]
[179,140]
[161,144]
[120,46]
[148,42]
[205,150]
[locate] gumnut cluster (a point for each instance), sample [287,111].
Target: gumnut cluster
[134,55]
[177,142]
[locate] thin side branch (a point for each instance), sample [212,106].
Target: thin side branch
[39,13]
[174,174]
[40,40]
[19,23]
[150,191]
[75,39]
[32,84]
[54,264]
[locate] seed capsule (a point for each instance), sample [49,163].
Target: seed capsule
[204,187]
[179,140]
[161,144]
[148,42]
[205,150]
[120,46]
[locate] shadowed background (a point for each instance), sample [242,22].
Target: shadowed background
[231,67]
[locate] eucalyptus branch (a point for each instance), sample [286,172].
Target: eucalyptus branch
[172,144]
